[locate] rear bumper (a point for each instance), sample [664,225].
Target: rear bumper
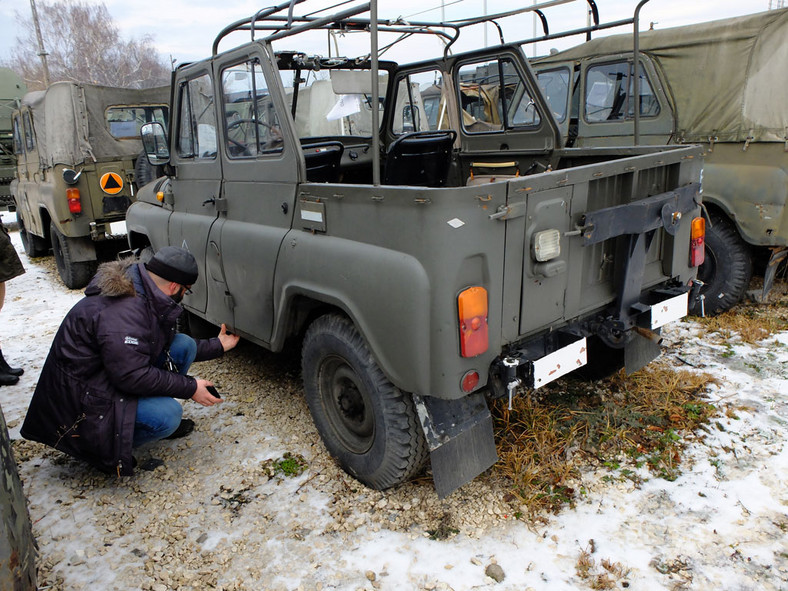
[541,360]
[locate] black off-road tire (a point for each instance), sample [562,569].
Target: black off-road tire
[144,171]
[366,423]
[34,246]
[726,270]
[75,275]
[17,545]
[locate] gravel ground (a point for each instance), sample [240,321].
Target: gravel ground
[218,515]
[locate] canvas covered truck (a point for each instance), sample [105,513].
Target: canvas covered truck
[455,254]
[76,148]
[720,84]
[12,89]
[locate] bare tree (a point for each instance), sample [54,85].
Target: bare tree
[83,44]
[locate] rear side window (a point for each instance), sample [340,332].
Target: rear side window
[18,144]
[555,87]
[610,91]
[197,119]
[30,142]
[251,125]
[494,97]
[124,122]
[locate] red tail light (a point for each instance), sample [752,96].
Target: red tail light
[472,306]
[74,200]
[698,242]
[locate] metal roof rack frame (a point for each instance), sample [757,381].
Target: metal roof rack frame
[281,26]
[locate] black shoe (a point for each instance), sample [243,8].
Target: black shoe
[186,427]
[7,379]
[7,369]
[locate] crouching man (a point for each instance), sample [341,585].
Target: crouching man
[117,365]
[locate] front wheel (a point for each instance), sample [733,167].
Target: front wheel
[366,423]
[75,275]
[726,270]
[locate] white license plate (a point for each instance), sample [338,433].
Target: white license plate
[559,363]
[669,310]
[117,228]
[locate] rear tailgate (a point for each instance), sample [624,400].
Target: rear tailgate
[614,241]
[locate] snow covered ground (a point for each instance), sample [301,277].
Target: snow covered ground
[214,518]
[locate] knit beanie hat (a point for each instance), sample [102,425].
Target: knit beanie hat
[174,264]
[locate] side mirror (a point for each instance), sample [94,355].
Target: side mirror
[154,142]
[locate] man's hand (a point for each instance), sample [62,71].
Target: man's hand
[202,396]
[228,340]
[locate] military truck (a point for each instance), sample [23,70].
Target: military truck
[721,84]
[76,147]
[454,254]
[12,89]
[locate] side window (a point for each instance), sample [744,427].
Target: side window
[493,96]
[420,103]
[555,86]
[18,144]
[610,90]
[197,119]
[30,142]
[124,122]
[251,124]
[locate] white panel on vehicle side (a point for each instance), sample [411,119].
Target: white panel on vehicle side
[559,363]
[674,308]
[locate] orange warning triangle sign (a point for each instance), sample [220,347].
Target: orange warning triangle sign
[111,183]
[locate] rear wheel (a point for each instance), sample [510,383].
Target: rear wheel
[726,270]
[366,423]
[34,246]
[75,275]
[144,171]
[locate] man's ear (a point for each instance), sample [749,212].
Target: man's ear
[174,288]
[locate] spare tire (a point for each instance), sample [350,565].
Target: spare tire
[144,171]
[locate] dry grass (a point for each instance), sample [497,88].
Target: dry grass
[640,416]
[752,321]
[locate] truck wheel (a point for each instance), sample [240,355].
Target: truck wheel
[366,423]
[75,275]
[33,245]
[17,545]
[726,270]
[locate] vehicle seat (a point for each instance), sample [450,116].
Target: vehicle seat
[420,159]
[322,161]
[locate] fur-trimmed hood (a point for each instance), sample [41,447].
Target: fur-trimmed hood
[113,279]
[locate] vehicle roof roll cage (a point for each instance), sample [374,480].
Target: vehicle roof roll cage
[281,26]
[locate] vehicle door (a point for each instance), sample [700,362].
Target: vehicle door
[607,107]
[27,169]
[196,185]
[260,167]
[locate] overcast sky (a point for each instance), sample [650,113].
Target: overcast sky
[184,30]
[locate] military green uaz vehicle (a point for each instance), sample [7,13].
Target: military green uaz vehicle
[76,148]
[721,84]
[428,250]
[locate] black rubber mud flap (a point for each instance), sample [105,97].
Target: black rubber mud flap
[459,434]
[639,352]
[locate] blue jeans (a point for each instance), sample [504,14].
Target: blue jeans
[159,416]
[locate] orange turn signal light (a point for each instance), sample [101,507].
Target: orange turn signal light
[74,200]
[474,334]
[697,242]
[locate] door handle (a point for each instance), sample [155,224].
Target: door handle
[212,200]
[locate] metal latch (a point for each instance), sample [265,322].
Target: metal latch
[512,381]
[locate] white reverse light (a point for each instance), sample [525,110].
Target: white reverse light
[547,245]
